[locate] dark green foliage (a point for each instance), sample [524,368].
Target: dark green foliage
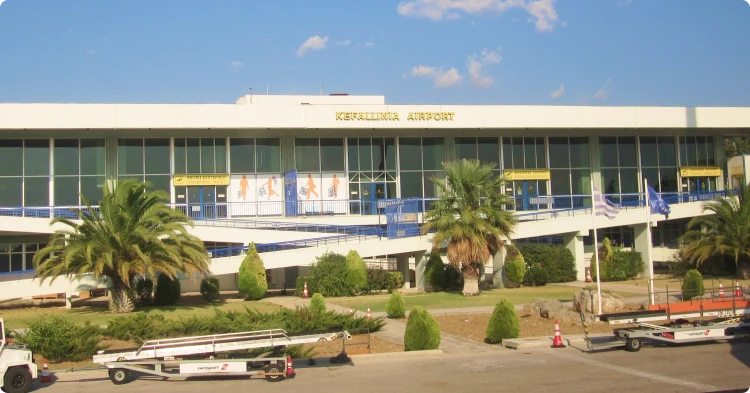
[536,276]
[692,285]
[317,304]
[210,289]
[330,275]
[604,255]
[453,278]
[422,331]
[167,291]
[356,272]
[145,291]
[515,267]
[625,265]
[60,340]
[299,289]
[503,323]
[252,275]
[379,279]
[435,273]
[557,261]
[396,306]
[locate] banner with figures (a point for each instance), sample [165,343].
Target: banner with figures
[255,195]
[322,194]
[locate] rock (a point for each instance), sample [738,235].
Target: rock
[551,309]
[588,301]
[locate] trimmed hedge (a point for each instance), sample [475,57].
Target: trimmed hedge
[435,273]
[504,323]
[557,261]
[356,272]
[536,276]
[422,331]
[58,339]
[625,265]
[396,306]
[692,285]
[330,275]
[379,279]
[515,267]
[253,283]
[210,289]
[167,291]
[317,304]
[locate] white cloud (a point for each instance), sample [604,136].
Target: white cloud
[315,42]
[1,2]
[542,12]
[603,93]
[90,51]
[343,43]
[441,78]
[236,64]
[369,44]
[557,93]
[477,64]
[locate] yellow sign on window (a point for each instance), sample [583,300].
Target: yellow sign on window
[526,174]
[700,171]
[205,179]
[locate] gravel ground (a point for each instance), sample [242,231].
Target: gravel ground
[357,344]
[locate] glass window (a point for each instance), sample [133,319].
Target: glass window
[710,152]
[411,184]
[507,153]
[307,154]
[558,152]
[608,151]
[92,189]
[208,156]
[378,154]
[529,150]
[649,151]
[220,154]
[158,182]
[66,157]
[352,155]
[12,152]
[517,153]
[268,155]
[629,180]
[579,152]
[434,153]
[667,151]
[627,152]
[431,189]
[332,154]
[580,181]
[560,180]
[129,156]
[180,156]
[193,155]
[488,151]
[365,154]
[466,148]
[242,155]
[93,156]
[610,181]
[156,153]
[652,176]
[390,155]
[668,180]
[10,191]
[36,191]
[36,157]
[702,154]
[410,154]
[66,191]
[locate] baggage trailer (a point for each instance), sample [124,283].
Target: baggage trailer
[731,320]
[211,355]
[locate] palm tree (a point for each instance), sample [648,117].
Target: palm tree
[133,233]
[470,217]
[725,233]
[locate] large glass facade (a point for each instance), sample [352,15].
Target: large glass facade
[372,164]
[18,257]
[618,157]
[486,150]
[570,167]
[319,154]
[145,160]
[254,155]
[200,155]
[78,168]
[697,151]
[659,162]
[525,153]
[421,161]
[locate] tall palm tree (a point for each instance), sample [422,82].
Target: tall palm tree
[470,217]
[725,233]
[133,233]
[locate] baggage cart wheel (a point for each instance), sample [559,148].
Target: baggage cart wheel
[119,376]
[633,345]
[274,368]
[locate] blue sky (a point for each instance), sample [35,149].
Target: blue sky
[566,52]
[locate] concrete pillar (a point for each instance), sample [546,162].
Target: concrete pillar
[498,271]
[402,265]
[642,243]
[68,300]
[419,268]
[574,242]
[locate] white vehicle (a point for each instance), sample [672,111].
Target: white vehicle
[17,368]
[211,355]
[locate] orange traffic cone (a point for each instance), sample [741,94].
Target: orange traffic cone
[721,289]
[737,290]
[588,276]
[46,378]
[304,293]
[557,343]
[290,368]
[369,314]
[351,311]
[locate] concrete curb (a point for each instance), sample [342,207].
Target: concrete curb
[544,342]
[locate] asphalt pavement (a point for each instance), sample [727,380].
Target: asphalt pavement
[712,367]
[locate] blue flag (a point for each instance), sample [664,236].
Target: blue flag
[658,205]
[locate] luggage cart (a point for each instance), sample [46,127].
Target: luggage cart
[211,355]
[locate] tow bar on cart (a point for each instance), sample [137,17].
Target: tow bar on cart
[211,355]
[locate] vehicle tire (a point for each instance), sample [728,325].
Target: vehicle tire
[17,380]
[119,376]
[633,345]
[274,368]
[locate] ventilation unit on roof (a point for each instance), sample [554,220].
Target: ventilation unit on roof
[339,94]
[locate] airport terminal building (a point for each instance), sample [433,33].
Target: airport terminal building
[268,168]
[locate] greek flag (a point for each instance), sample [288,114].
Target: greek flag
[658,205]
[603,206]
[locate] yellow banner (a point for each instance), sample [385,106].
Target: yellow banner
[526,174]
[219,179]
[700,171]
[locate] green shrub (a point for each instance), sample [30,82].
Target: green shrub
[58,339]
[318,304]
[299,289]
[435,273]
[210,289]
[356,272]
[330,275]
[625,265]
[379,279]
[604,254]
[692,285]
[144,289]
[167,290]
[678,265]
[556,260]
[536,276]
[515,267]
[422,331]
[396,306]
[503,323]
[252,275]
[453,277]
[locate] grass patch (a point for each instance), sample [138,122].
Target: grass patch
[98,314]
[443,300]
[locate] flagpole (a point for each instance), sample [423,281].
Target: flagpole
[596,247]
[648,247]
